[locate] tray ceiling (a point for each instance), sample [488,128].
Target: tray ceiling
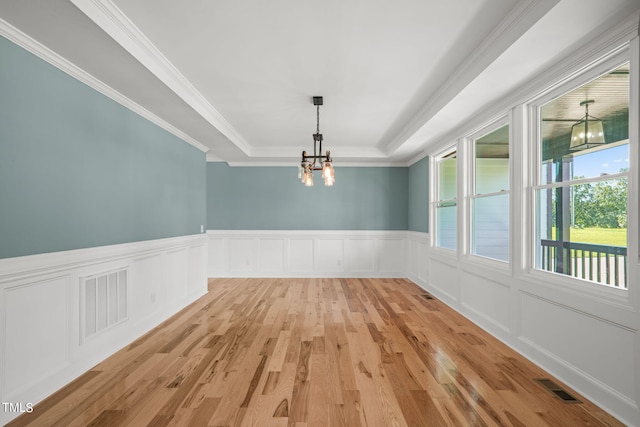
[236,78]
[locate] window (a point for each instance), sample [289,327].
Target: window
[489,200]
[581,191]
[445,204]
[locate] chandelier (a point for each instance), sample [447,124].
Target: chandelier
[588,132]
[319,161]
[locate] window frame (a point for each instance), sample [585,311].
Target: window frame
[436,161]
[470,192]
[534,159]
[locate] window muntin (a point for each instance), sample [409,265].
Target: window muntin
[489,202]
[446,210]
[581,197]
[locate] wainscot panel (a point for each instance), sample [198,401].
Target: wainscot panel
[487,299]
[316,253]
[360,255]
[392,255]
[417,257]
[272,255]
[28,335]
[582,353]
[444,279]
[48,302]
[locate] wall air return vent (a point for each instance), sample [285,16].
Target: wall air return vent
[103,301]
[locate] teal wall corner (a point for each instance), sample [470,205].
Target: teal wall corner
[419,196]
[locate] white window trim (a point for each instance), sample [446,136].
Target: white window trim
[469,194]
[588,73]
[435,198]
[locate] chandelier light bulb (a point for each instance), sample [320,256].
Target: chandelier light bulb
[308,179]
[328,174]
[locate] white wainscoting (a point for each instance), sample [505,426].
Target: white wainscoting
[285,253]
[42,347]
[591,343]
[417,256]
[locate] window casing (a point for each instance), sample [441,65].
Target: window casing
[580,195]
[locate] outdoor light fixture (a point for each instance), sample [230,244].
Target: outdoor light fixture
[588,132]
[318,161]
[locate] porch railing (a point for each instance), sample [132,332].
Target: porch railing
[598,263]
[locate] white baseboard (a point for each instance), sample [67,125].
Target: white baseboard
[42,346]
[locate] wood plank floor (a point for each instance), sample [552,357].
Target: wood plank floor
[314,352]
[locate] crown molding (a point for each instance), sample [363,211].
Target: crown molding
[288,156]
[16,36]
[607,41]
[213,158]
[118,26]
[293,164]
[524,15]
[415,159]
[342,151]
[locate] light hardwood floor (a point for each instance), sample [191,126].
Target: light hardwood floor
[314,352]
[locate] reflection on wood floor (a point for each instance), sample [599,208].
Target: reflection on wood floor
[314,352]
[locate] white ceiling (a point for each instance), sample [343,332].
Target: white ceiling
[236,77]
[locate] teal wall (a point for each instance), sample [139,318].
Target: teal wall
[272,198]
[78,170]
[419,196]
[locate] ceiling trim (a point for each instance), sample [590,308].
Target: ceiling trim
[16,36]
[119,27]
[609,40]
[340,152]
[520,19]
[381,164]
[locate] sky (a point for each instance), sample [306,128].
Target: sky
[600,162]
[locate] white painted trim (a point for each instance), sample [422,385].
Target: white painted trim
[163,276]
[336,163]
[613,313]
[32,265]
[340,152]
[592,388]
[415,159]
[604,43]
[524,14]
[115,23]
[311,233]
[41,51]
[328,253]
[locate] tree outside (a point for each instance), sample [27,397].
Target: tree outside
[601,210]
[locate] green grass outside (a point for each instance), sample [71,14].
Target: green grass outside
[599,236]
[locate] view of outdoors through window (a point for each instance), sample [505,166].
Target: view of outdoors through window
[490,198]
[581,197]
[446,206]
